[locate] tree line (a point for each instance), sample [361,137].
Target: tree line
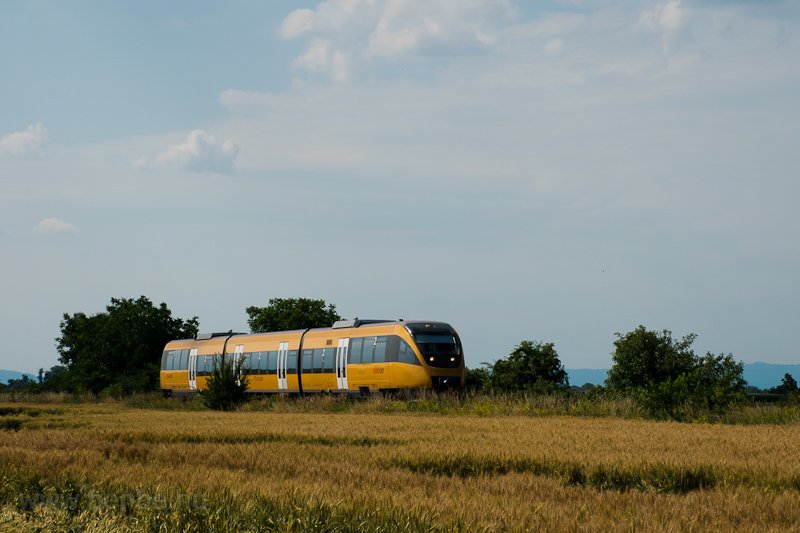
[118,352]
[663,374]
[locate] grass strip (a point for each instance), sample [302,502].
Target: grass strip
[657,477]
[252,438]
[33,502]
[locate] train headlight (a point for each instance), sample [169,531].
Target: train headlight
[452,359]
[431,359]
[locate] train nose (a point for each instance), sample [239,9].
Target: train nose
[444,383]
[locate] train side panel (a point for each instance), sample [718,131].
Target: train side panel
[380,357]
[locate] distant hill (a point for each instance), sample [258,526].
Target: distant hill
[581,376]
[767,375]
[6,375]
[761,375]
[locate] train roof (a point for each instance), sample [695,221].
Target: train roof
[339,324]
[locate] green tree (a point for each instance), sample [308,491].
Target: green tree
[714,383]
[643,358]
[120,347]
[284,314]
[226,387]
[57,379]
[477,379]
[669,379]
[23,384]
[788,389]
[530,366]
[788,385]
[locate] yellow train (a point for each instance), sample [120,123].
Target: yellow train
[352,356]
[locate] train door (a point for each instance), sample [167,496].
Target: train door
[193,369]
[237,356]
[341,363]
[283,356]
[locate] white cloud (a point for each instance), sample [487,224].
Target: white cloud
[322,58]
[665,17]
[579,108]
[554,45]
[433,28]
[299,22]
[342,31]
[200,152]
[28,142]
[55,226]
[332,17]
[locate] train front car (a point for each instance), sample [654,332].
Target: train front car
[441,351]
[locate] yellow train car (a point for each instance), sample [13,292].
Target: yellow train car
[351,357]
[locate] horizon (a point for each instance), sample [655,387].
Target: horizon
[553,172]
[578,377]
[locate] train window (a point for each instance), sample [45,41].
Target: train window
[246,360]
[308,361]
[405,354]
[272,364]
[262,362]
[164,359]
[317,365]
[392,345]
[369,347]
[291,362]
[318,359]
[355,350]
[380,350]
[201,364]
[328,359]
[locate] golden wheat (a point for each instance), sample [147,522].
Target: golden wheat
[500,472]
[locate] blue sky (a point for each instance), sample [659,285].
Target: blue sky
[557,171]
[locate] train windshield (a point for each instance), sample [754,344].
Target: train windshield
[435,339]
[437,344]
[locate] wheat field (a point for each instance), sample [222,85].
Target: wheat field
[101,466]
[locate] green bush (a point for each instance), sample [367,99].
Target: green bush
[713,385]
[477,379]
[531,367]
[226,388]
